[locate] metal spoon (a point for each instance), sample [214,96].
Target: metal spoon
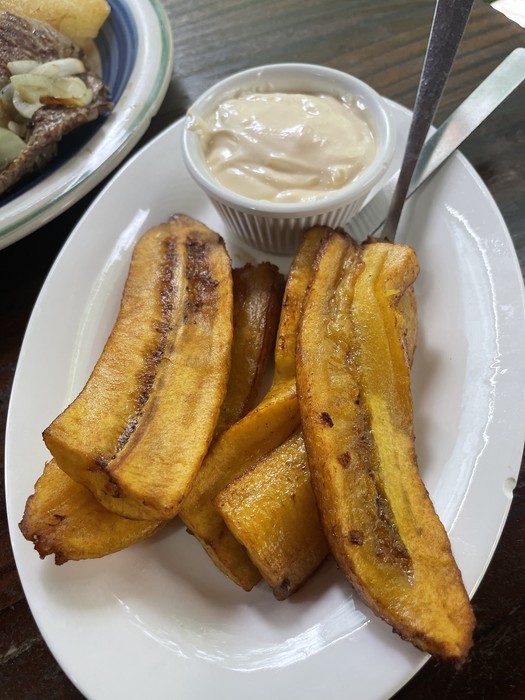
[481,102]
[448,26]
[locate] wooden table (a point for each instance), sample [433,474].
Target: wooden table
[382,42]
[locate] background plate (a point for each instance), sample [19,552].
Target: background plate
[135,46]
[158,620]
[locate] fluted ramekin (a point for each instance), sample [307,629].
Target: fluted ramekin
[279,227]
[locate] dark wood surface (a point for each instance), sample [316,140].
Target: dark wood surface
[382,42]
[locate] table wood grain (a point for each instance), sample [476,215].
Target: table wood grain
[382,42]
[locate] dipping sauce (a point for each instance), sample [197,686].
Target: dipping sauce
[285,147]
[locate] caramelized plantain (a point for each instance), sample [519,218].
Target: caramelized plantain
[65,519]
[137,433]
[271,507]
[257,297]
[263,429]
[353,382]
[271,510]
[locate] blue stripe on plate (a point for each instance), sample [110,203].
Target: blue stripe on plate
[117,44]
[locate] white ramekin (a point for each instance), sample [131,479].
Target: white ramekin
[278,227]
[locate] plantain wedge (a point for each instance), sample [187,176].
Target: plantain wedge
[271,507]
[257,297]
[137,433]
[353,381]
[63,517]
[264,428]
[271,510]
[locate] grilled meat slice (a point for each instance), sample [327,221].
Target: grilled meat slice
[22,39]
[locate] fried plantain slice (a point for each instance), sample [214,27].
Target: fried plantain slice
[271,507]
[257,297]
[354,392]
[137,433]
[263,429]
[271,510]
[63,517]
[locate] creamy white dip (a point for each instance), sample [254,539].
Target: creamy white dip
[285,147]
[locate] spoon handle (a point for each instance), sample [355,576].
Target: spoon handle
[482,101]
[448,26]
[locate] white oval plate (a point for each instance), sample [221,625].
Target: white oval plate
[158,620]
[135,45]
